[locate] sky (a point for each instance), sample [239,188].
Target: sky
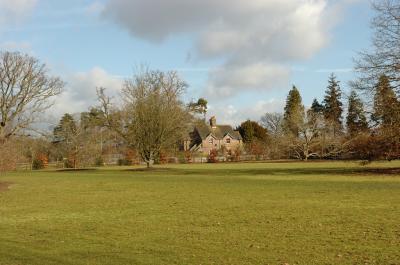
[243,56]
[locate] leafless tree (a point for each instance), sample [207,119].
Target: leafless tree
[273,123]
[25,91]
[384,58]
[152,117]
[306,144]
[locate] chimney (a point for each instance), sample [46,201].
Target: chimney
[213,122]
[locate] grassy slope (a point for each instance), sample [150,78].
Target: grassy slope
[295,213]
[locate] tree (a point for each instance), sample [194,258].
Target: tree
[294,112]
[333,106]
[386,109]
[306,145]
[252,131]
[356,120]
[317,107]
[199,107]
[153,117]
[76,142]
[273,122]
[384,57]
[25,92]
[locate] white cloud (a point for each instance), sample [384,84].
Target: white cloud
[259,38]
[234,115]
[14,10]
[80,91]
[231,80]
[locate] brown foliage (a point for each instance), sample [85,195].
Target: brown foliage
[212,157]
[8,156]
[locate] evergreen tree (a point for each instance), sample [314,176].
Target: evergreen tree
[333,106]
[356,120]
[294,112]
[386,106]
[252,131]
[317,107]
[65,129]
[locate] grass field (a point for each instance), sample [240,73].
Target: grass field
[261,213]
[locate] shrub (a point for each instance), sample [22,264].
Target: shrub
[124,162]
[37,164]
[99,162]
[212,157]
[68,163]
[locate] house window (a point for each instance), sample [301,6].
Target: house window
[210,141]
[228,140]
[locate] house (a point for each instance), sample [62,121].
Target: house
[207,137]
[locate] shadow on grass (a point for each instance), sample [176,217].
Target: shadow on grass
[151,169]
[76,169]
[273,171]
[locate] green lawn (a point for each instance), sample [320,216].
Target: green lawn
[261,213]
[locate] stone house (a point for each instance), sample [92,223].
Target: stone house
[207,137]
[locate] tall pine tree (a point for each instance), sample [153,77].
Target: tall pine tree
[294,112]
[356,120]
[333,106]
[386,111]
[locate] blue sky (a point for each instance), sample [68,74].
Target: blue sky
[242,56]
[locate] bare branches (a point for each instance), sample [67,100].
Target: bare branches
[25,90]
[384,59]
[152,116]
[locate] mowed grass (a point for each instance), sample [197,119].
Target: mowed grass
[260,213]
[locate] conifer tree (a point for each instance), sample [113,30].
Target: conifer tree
[356,120]
[386,105]
[333,106]
[294,112]
[316,107]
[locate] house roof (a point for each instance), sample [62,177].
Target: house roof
[219,132]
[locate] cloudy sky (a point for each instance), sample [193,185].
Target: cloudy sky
[242,55]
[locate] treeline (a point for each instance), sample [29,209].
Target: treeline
[149,121]
[323,131]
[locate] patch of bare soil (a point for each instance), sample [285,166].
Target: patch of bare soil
[4,186]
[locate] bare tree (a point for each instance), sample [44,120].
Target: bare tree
[306,145]
[25,91]
[153,117]
[384,58]
[273,122]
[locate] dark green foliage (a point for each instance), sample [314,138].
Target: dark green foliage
[92,118]
[37,164]
[99,162]
[65,129]
[252,131]
[124,162]
[68,163]
[317,107]
[294,112]
[386,105]
[199,107]
[333,106]
[356,120]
